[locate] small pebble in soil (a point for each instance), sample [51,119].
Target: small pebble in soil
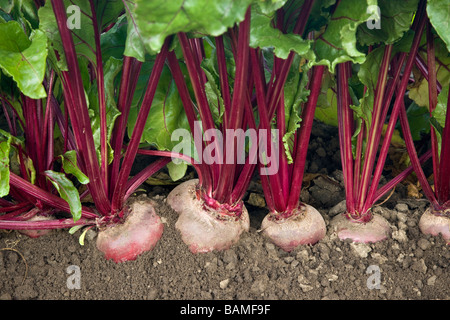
[224,283]
[424,244]
[431,280]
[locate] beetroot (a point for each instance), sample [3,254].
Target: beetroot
[202,228]
[37,233]
[435,224]
[139,233]
[304,226]
[375,229]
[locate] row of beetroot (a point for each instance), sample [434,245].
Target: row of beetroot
[86,88]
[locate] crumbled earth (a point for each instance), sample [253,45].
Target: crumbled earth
[409,265]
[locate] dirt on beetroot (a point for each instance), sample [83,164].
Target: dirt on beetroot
[409,265]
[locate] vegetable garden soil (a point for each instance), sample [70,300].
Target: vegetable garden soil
[409,265]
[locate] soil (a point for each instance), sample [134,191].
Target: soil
[407,266]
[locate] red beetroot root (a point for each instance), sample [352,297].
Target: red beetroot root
[139,233]
[435,224]
[202,228]
[37,233]
[376,229]
[304,226]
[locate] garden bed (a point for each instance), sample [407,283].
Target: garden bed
[409,265]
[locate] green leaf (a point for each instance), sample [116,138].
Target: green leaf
[177,171]
[338,43]
[75,229]
[31,171]
[262,34]
[396,18]
[269,6]
[419,120]
[83,36]
[67,191]
[134,46]
[69,162]
[439,13]
[123,38]
[5,147]
[112,41]
[108,11]
[158,19]
[82,236]
[23,58]
[6,5]
[439,114]
[83,233]
[213,94]
[326,110]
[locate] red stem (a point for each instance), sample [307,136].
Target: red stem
[345,123]
[399,178]
[191,115]
[202,103]
[49,124]
[235,117]
[274,186]
[174,155]
[130,75]
[78,111]
[387,101]
[144,174]
[443,188]
[432,100]
[304,136]
[43,225]
[130,154]
[374,131]
[46,197]
[102,101]
[283,161]
[398,104]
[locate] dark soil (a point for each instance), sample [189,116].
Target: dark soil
[409,265]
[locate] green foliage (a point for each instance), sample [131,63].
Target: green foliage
[395,20]
[158,19]
[67,191]
[23,58]
[69,163]
[263,34]
[5,147]
[439,14]
[337,43]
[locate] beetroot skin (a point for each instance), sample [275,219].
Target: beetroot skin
[37,233]
[377,229]
[204,229]
[435,224]
[139,233]
[304,226]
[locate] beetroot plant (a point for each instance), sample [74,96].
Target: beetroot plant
[212,215]
[94,132]
[35,184]
[433,64]
[330,32]
[283,101]
[385,73]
